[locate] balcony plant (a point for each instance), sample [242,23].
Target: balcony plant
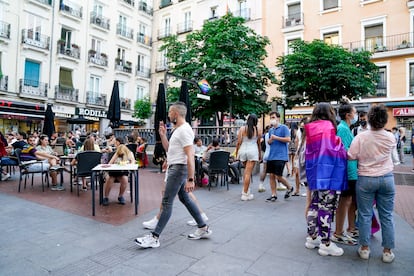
[103,55]
[75,46]
[91,52]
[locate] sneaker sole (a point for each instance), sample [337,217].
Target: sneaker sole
[325,253]
[206,235]
[148,227]
[311,246]
[140,245]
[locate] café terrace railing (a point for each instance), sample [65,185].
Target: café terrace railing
[226,137]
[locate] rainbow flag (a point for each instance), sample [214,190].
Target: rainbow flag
[204,86]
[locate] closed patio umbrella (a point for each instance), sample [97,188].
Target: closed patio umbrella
[49,122]
[185,98]
[80,121]
[114,110]
[160,115]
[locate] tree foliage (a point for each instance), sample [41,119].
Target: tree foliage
[230,57]
[318,72]
[142,109]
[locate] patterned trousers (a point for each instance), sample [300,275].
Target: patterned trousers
[321,212]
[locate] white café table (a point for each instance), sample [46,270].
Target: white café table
[132,168]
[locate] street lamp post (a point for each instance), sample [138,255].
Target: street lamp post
[263,98]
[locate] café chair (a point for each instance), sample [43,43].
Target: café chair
[218,166]
[86,161]
[24,170]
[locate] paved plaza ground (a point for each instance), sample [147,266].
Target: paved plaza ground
[53,233]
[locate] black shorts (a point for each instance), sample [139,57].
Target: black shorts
[275,166]
[351,189]
[118,173]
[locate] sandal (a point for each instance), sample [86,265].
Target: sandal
[295,194]
[344,239]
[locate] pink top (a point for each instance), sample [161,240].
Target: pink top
[373,150]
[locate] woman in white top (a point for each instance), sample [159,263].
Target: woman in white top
[248,152]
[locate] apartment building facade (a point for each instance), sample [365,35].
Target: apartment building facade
[383,27]
[69,53]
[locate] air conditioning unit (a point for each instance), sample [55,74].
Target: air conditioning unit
[98,20]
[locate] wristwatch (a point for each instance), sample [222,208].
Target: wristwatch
[190,180]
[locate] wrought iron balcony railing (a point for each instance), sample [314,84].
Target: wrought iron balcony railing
[66,94]
[71,9]
[4,29]
[123,66]
[144,39]
[143,6]
[293,20]
[124,31]
[142,71]
[244,13]
[100,21]
[94,98]
[4,83]
[185,27]
[97,58]
[35,39]
[125,103]
[72,50]
[32,88]
[163,33]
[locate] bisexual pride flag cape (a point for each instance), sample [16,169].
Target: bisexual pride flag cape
[326,157]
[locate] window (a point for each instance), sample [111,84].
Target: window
[140,63]
[140,93]
[411,80]
[31,73]
[96,45]
[65,78]
[213,11]
[94,86]
[373,37]
[167,26]
[121,86]
[331,38]
[382,82]
[34,28]
[97,9]
[66,35]
[289,42]
[187,20]
[330,4]
[294,11]
[121,54]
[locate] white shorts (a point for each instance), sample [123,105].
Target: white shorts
[40,166]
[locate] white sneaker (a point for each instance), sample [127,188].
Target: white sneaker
[313,243]
[194,223]
[6,176]
[247,196]
[331,249]
[200,233]
[363,253]
[281,187]
[148,241]
[150,224]
[261,188]
[388,257]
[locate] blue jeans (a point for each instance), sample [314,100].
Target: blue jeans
[177,177]
[381,189]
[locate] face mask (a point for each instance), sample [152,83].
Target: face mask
[273,122]
[355,119]
[363,123]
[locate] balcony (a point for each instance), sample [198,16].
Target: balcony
[71,9]
[391,44]
[123,66]
[380,91]
[293,20]
[410,4]
[144,39]
[124,31]
[144,7]
[31,88]
[100,59]
[71,50]
[142,71]
[4,30]
[185,27]
[99,21]
[163,33]
[4,83]
[125,103]
[243,13]
[161,65]
[66,94]
[165,3]
[35,39]
[93,98]
[129,2]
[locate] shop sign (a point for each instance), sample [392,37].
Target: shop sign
[63,111]
[91,112]
[403,111]
[294,117]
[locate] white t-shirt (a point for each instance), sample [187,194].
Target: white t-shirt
[181,137]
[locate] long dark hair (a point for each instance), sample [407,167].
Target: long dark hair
[324,111]
[251,125]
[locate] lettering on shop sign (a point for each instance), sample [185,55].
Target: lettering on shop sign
[92,112]
[403,111]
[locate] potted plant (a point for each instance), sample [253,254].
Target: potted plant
[75,46]
[103,55]
[91,52]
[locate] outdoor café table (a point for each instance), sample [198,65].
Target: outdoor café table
[99,169]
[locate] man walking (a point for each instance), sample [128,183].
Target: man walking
[279,138]
[180,161]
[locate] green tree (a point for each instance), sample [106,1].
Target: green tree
[230,56]
[142,109]
[318,72]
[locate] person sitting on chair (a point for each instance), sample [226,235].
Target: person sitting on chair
[122,156]
[214,146]
[142,156]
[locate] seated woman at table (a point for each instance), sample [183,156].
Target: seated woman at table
[122,156]
[142,156]
[87,145]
